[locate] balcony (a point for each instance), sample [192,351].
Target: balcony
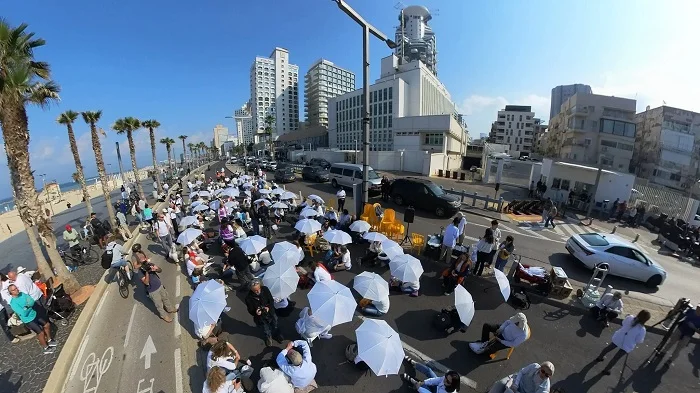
[683,149]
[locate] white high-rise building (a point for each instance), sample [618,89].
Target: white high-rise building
[415,39]
[220,135]
[324,80]
[515,128]
[244,125]
[562,93]
[274,90]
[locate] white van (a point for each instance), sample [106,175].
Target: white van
[345,175]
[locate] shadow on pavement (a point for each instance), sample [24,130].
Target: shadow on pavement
[337,371]
[418,324]
[7,385]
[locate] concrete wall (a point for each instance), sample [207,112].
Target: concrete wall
[612,184]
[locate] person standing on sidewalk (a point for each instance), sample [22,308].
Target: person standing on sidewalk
[260,305]
[531,194]
[449,240]
[551,214]
[625,339]
[545,208]
[689,325]
[156,290]
[164,231]
[496,240]
[341,199]
[23,305]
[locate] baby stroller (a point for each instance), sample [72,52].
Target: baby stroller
[59,304]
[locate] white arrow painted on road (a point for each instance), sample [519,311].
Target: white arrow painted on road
[148,350]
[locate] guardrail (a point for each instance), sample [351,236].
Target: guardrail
[465,197]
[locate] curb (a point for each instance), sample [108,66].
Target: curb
[59,373]
[477,213]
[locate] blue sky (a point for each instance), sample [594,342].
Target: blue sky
[186,63]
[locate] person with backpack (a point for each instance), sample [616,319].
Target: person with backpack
[99,230]
[447,384]
[113,257]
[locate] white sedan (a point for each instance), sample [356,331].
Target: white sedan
[623,258]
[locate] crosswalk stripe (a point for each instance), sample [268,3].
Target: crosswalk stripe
[558,231]
[578,229]
[566,230]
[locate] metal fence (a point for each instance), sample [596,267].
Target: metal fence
[662,200]
[470,199]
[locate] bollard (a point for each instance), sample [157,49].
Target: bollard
[635,238]
[486,203]
[614,229]
[474,200]
[461,200]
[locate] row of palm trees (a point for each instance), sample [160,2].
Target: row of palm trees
[25,81]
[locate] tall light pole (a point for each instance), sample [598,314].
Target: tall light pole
[367,29]
[245,151]
[43,181]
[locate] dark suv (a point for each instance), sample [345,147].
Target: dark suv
[423,194]
[320,162]
[315,173]
[285,175]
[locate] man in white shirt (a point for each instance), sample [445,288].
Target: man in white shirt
[462,225]
[449,240]
[377,308]
[26,285]
[496,240]
[345,262]
[164,230]
[190,186]
[341,199]
[166,187]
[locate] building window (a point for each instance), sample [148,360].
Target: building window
[390,92]
[384,94]
[433,139]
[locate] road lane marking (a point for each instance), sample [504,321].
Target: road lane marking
[425,359]
[178,371]
[148,350]
[131,323]
[558,231]
[99,305]
[177,286]
[74,366]
[93,369]
[178,328]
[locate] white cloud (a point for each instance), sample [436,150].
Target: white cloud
[476,104]
[482,110]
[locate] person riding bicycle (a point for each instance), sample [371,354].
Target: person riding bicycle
[72,236]
[118,260]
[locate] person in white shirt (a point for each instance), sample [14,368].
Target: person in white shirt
[608,307]
[483,252]
[625,339]
[190,186]
[375,248]
[166,187]
[509,334]
[224,355]
[274,381]
[341,198]
[496,240]
[164,230]
[376,308]
[320,273]
[345,262]
[310,327]
[26,285]
[217,383]
[462,225]
[449,240]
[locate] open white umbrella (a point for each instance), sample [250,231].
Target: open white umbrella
[200,208]
[247,185]
[336,236]
[316,198]
[198,182]
[232,192]
[189,220]
[281,279]
[245,177]
[464,303]
[503,283]
[332,302]
[288,195]
[307,226]
[214,205]
[264,191]
[360,226]
[379,346]
[286,253]
[280,205]
[207,303]
[247,192]
[308,212]
[278,191]
[196,203]
[188,236]
[204,194]
[391,248]
[194,194]
[263,200]
[253,245]
[374,237]
[406,268]
[218,192]
[231,204]
[371,286]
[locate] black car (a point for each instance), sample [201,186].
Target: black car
[315,173]
[285,175]
[320,162]
[423,194]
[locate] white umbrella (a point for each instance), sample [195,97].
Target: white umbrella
[406,268]
[264,191]
[464,304]
[214,204]
[307,226]
[263,200]
[232,192]
[196,203]
[207,303]
[189,220]
[194,194]
[308,212]
[231,204]
[253,245]
[379,346]
[281,279]
[316,198]
[218,192]
[374,237]
[286,253]
[247,192]
[280,205]
[332,302]
[360,226]
[204,194]
[391,248]
[278,191]
[371,286]
[245,177]
[336,236]
[289,195]
[200,208]
[198,182]
[503,283]
[188,236]
[247,185]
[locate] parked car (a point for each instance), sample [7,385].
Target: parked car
[315,173]
[624,259]
[345,175]
[423,194]
[285,175]
[320,162]
[271,166]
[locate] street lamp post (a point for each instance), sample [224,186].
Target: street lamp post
[43,182]
[355,159]
[245,153]
[367,29]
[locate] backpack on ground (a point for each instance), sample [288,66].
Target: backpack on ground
[351,354]
[519,300]
[442,320]
[107,258]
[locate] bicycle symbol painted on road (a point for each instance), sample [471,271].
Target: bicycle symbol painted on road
[94,368]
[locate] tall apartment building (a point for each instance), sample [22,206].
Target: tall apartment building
[274,90]
[415,39]
[592,127]
[666,146]
[562,93]
[244,125]
[538,132]
[515,128]
[220,135]
[410,109]
[324,80]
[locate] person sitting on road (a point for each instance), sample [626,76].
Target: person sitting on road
[238,231]
[208,334]
[342,261]
[195,268]
[375,308]
[226,232]
[409,287]
[449,383]
[310,327]
[296,362]
[509,334]
[344,220]
[274,381]
[454,275]
[23,305]
[533,378]
[223,354]
[375,248]
[608,307]
[217,383]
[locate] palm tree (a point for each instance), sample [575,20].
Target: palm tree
[191,147]
[152,125]
[23,81]
[91,118]
[76,178]
[127,126]
[67,118]
[269,121]
[184,151]
[202,148]
[168,142]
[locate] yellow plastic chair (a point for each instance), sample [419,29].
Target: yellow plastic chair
[367,213]
[310,241]
[398,231]
[331,203]
[418,242]
[511,349]
[373,219]
[388,220]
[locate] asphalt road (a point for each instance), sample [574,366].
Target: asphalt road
[114,353]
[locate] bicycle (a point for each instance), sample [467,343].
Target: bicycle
[123,280]
[87,256]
